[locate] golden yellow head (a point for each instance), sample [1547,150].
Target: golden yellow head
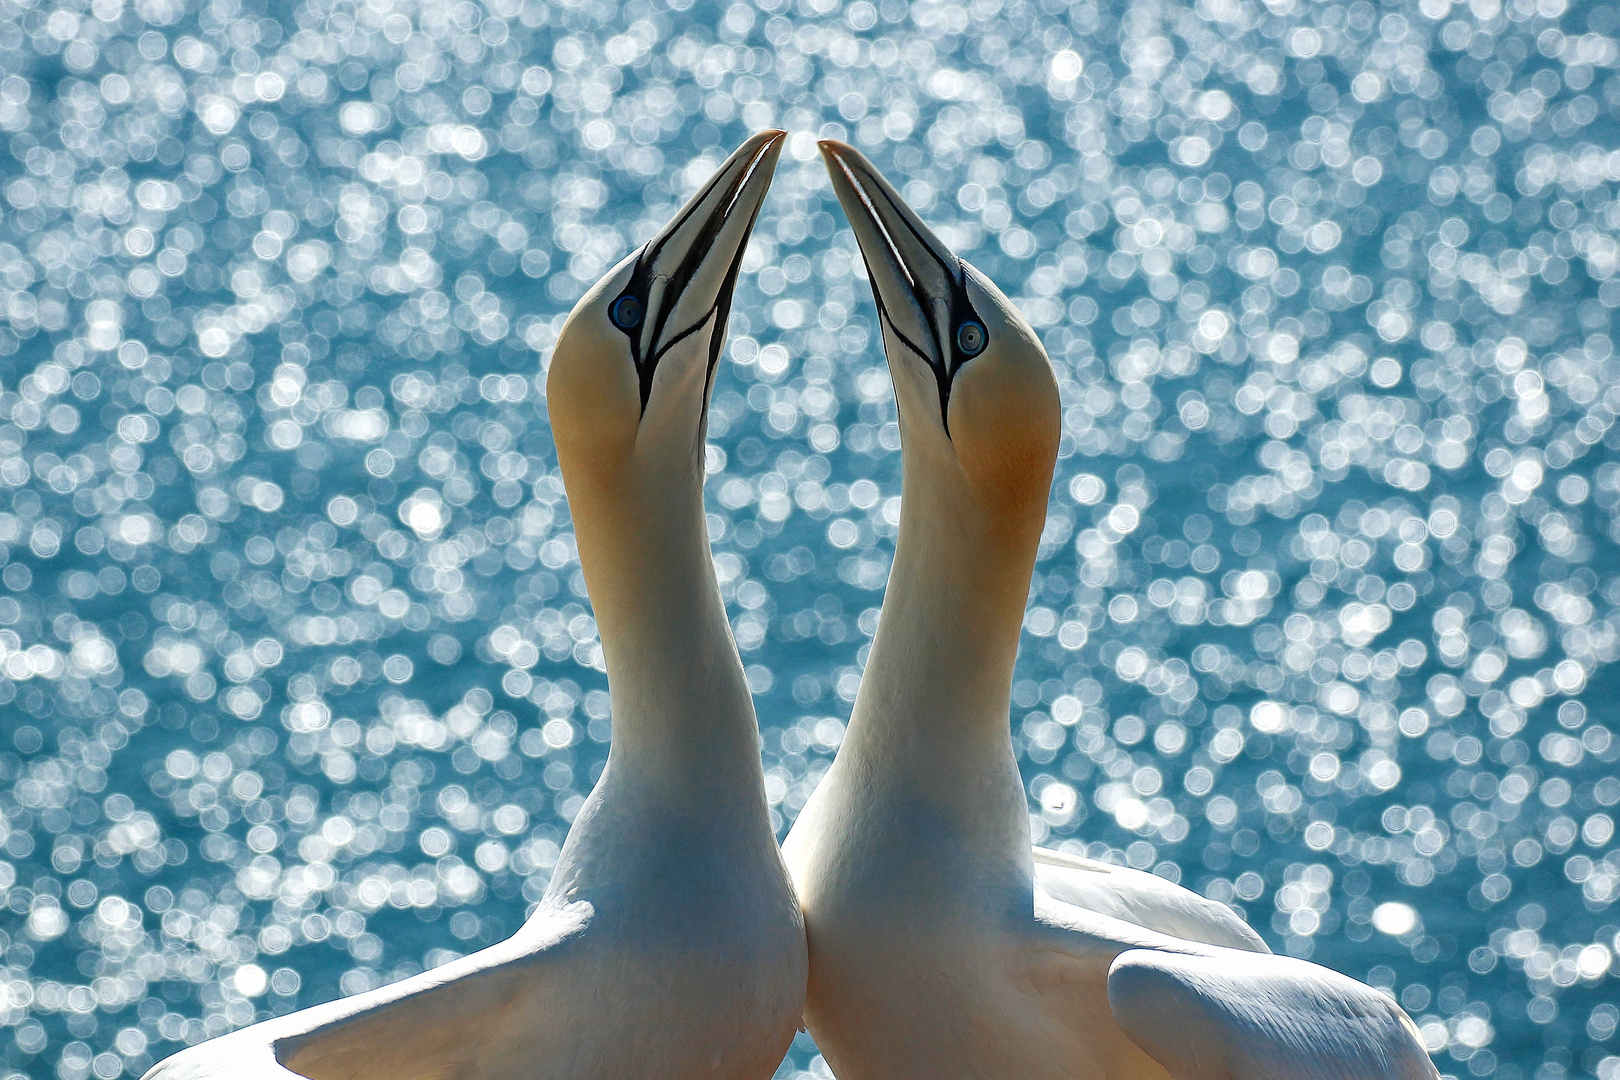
[973,384]
[631,372]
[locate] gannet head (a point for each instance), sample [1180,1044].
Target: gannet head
[978,404]
[629,380]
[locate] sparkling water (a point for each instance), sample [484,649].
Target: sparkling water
[301,685]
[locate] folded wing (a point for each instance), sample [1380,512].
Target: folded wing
[493,1013]
[239,1060]
[1146,900]
[1241,1016]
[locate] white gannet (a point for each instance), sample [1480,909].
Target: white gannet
[941,946]
[669,943]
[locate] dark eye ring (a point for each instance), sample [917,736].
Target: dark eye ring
[626,313]
[971,338]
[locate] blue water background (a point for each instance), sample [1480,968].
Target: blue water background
[300,683]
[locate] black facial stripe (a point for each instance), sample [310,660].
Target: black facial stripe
[894,254]
[954,272]
[714,354]
[653,249]
[722,304]
[642,277]
[939,378]
[728,286]
[943,383]
[960,307]
[682,336]
[883,313]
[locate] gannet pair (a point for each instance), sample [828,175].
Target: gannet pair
[941,945]
[669,944]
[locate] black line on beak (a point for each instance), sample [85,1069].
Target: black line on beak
[940,377]
[948,356]
[641,280]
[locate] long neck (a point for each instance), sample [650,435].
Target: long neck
[932,710]
[683,718]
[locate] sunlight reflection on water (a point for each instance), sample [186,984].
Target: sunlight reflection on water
[300,687]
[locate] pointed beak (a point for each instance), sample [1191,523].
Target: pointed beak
[684,276]
[916,279]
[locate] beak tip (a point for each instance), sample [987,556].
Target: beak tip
[771,142]
[763,143]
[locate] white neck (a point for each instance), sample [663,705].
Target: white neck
[683,717]
[932,712]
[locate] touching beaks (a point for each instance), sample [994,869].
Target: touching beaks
[919,283]
[684,277]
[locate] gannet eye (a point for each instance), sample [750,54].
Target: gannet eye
[971,338]
[626,313]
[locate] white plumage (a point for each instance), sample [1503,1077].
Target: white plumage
[669,943]
[941,944]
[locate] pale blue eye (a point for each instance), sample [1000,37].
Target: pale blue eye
[626,313]
[971,338]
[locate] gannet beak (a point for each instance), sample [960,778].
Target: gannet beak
[919,283]
[684,277]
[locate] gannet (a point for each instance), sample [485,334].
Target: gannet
[669,943]
[941,944]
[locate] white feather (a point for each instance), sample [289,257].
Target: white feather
[668,943]
[941,944]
